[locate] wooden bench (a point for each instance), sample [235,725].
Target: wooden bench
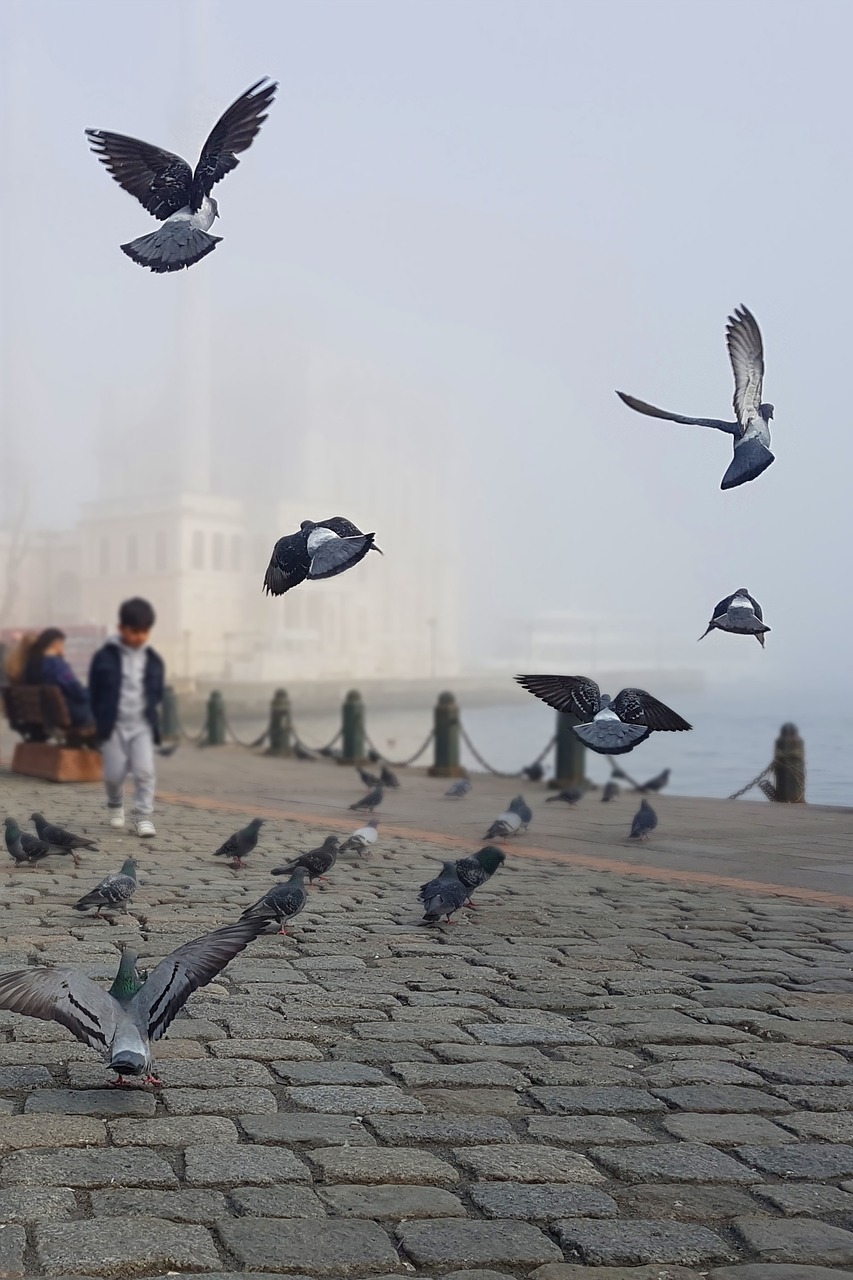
[52,748]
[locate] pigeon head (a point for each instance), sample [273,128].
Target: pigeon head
[374,823]
[214,206]
[255,825]
[741,591]
[12,829]
[127,981]
[331,842]
[297,876]
[307,525]
[490,858]
[129,867]
[36,817]
[766,411]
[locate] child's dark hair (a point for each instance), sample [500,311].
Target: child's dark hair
[136,614]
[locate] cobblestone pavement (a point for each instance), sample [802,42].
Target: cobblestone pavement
[593,1072]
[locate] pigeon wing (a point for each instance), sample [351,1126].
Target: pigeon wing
[756,607]
[173,981]
[341,526]
[235,131]
[160,180]
[65,996]
[651,412]
[635,706]
[721,609]
[289,564]
[575,694]
[746,352]
[336,555]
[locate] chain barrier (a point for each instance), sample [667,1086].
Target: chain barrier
[756,782]
[400,764]
[498,772]
[317,751]
[250,746]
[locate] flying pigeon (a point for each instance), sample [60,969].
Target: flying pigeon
[645,820]
[369,779]
[570,796]
[751,430]
[167,188]
[316,862]
[363,838]
[739,613]
[238,846]
[388,778]
[611,727]
[281,902]
[122,1022]
[321,549]
[479,868]
[371,801]
[443,895]
[657,783]
[609,792]
[459,789]
[22,846]
[113,892]
[59,838]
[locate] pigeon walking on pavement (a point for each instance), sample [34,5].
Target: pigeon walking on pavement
[480,867]
[609,791]
[740,613]
[121,1023]
[657,783]
[459,789]
[316,862]
[369,779]
[362,839]
[22,846]
[371,801]
[571,796]
[534,772]
[645,821]
[388,778]
[238,846]
[60,839]
[514,821]
[280,903]
[750,431]
[610,726]
[520,806]
[170,191]
[443,895]
[113,893]
[321,549]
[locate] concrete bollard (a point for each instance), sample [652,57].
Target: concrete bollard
[170,725]
[789,766]
[352,724]
[570,767]
[281,727]
[215,730]
[446,746]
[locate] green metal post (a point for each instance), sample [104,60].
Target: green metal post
[446,746]
[352,722]
[570,770]
[215,735]
[789,766]
[169,720]
[281,728]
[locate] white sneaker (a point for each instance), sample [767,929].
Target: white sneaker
[145,829]
[116,818]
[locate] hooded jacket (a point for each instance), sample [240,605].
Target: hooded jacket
[105,688]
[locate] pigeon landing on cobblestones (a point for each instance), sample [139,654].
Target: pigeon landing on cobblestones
[316,862]
[751,431]
[645,821]
[459,789]
[22,846]
[122,1022]
[657,783]
[480,867]
[369,779]
[60,839]
[740,614]
[371,801]
[443,895]
[609,792]
[280,903]
[389,779]
[241,844]
[113,893]
[571,796]
[321,549]
[611,727]
[167,188]
[362,839]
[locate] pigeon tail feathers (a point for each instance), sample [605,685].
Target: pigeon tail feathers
[751,457]
[171,247]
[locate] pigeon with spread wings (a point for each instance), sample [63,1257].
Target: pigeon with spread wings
[169,190]
[122,1022]
[740,614]
[751,430]
[321,549]
[610,726]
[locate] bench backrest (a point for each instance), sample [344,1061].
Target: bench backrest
[36,706]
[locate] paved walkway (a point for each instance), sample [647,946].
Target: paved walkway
[607,1065]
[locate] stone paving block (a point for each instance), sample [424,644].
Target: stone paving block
[599,1075]
[228,1102]
[689,1072]
[816,1097]
[541,1201]
[329,1073]
[450,1130]
[361,1100]
[725,1131]
[115,1247]
[585,1129]
[276,1202]
[442,1074]
[486,1102]
[579,1101]
[290,1127]
[236,1164]
[91,1102]
[809,1200]
[674,1162]
[513,1033]
[831,1126]
[381,1164]
[395,1202]
[778,1271]
[17,1132]
[725,1098]
[400,1032]
[24,1078]
[810,1161]
[96,1168]
[795,1240]
[446,1242]
[13,1242]
[570,1271]
[53,1204]
[206,1074]
[527,1163]
[266,1050]
[629,1242]
[178,1206]
[327,1248]
[684,1203]
[177,1132]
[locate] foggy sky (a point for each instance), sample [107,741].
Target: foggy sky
[507,208]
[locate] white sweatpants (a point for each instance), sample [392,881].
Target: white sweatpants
[130,751]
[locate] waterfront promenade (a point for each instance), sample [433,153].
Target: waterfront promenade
[626,1057]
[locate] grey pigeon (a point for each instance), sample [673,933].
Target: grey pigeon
[609,792]
[443,896]
[534,772]
[169,750]
[122,1022]
[238,846]
[167,188]
[657,783]
[520,806]
[321,549]
[280,903]
[59,838]
[751,430]
[22,846]
[302,753]
[571,796]
[316,862]
[362,839]
[369,779]
[506,824]
[480,867]
[740,613]
[113,892]
[371,801]
[389,778]
[611,726]
[459,789]
[645,821]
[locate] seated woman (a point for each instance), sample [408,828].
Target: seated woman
[46,664]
